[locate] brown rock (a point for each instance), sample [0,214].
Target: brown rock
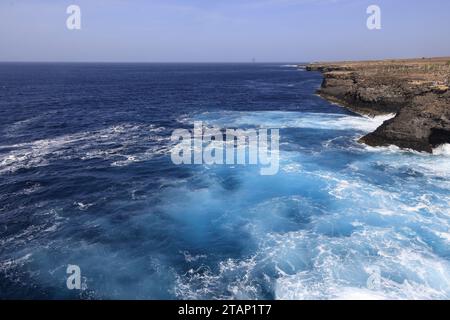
[416,90]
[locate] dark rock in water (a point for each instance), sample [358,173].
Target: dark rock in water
[421,126]
[416,90]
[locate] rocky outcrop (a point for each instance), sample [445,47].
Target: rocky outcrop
[417,91]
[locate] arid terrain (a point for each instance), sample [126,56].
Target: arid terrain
[416,90]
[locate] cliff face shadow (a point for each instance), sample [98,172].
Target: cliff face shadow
[439,136]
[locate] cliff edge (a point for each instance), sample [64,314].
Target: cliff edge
[417,91]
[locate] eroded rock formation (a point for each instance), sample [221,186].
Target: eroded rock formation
[417,91]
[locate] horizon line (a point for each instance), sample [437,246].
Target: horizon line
[154,62]
[220,62]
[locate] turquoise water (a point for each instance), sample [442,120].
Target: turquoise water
[87,180]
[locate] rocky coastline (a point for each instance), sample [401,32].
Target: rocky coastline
[416,91]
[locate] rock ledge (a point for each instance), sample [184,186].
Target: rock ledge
[417,91]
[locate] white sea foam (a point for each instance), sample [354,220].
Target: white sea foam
[365,226]
[13,263]
[112,144]
[282,119]
[442,150]
[192,258]
[341,268]
[318,267]
[344,223]
[83,206]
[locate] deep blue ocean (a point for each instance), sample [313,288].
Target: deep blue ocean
[86,179]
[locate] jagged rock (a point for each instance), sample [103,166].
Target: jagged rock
[423,126]
[417,93]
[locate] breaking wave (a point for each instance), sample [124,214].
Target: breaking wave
[282,119]
[115,144]
[340,220]
[319,228]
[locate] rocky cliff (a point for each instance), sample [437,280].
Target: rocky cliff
[417,91]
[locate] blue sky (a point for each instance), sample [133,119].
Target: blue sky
[222,30]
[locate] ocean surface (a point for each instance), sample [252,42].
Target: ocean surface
[86,179]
